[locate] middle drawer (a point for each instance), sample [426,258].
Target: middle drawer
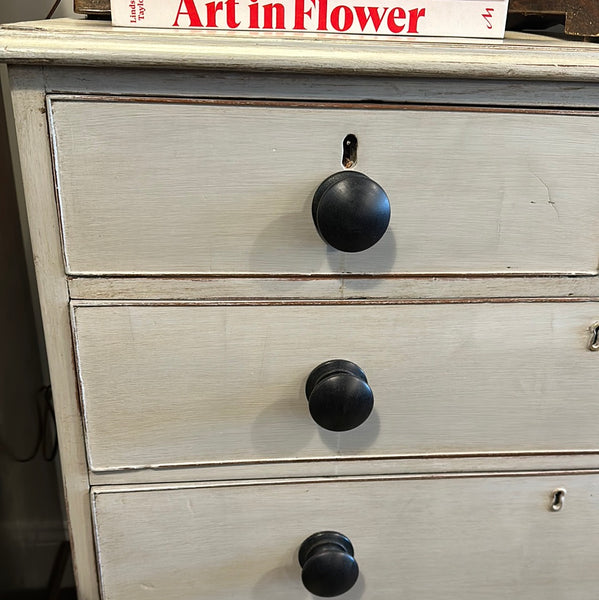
[207,383]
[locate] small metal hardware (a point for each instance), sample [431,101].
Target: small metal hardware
[557,499]
[350,151]
[594,341]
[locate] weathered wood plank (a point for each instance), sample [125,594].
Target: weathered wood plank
[95,43]
[28,97]
[199,187]
[203,383]
[579,462]
[333,288]
[451,538]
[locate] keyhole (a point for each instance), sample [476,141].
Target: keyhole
[594,340]
[557,501]
[350,151]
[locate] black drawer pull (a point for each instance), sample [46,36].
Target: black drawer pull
[339,396]
[328,564]
[351,211]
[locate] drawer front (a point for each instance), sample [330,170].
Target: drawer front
[204,384]
[192,187]
[457,539]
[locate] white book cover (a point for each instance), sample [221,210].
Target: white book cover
[397,18]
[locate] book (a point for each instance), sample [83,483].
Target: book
[393,18]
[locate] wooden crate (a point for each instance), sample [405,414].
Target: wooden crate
[92,7]
[580,17]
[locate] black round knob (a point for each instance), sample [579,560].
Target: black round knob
[339,396]
[351,211]
[328,564]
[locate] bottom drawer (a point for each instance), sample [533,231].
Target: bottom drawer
[417,539]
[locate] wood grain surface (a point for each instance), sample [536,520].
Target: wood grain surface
[191,196]
[206,384]
[518,57]
[208,188]
[28,99]
[457,539]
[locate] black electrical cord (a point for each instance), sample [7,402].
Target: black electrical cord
[53,9]
[46,439]
[38,438]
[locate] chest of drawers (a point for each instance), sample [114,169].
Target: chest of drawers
[229,383]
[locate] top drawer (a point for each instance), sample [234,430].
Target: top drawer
[158,186]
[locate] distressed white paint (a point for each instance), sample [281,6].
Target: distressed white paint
[519,56]
[457,539]
[177,384]
[28,101]
[31,522]
[204,83]
[202,188]
[482,379]
[344,288]
[578,462]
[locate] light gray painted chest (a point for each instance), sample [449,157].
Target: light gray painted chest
[189,305]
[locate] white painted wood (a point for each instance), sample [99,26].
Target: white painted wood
[577,462]
[20,199]
[28,98]
[457,539]
[459,387]
[314,86]
[434,288]
[519,56]
[31,523]
[191,384]
[208,188]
